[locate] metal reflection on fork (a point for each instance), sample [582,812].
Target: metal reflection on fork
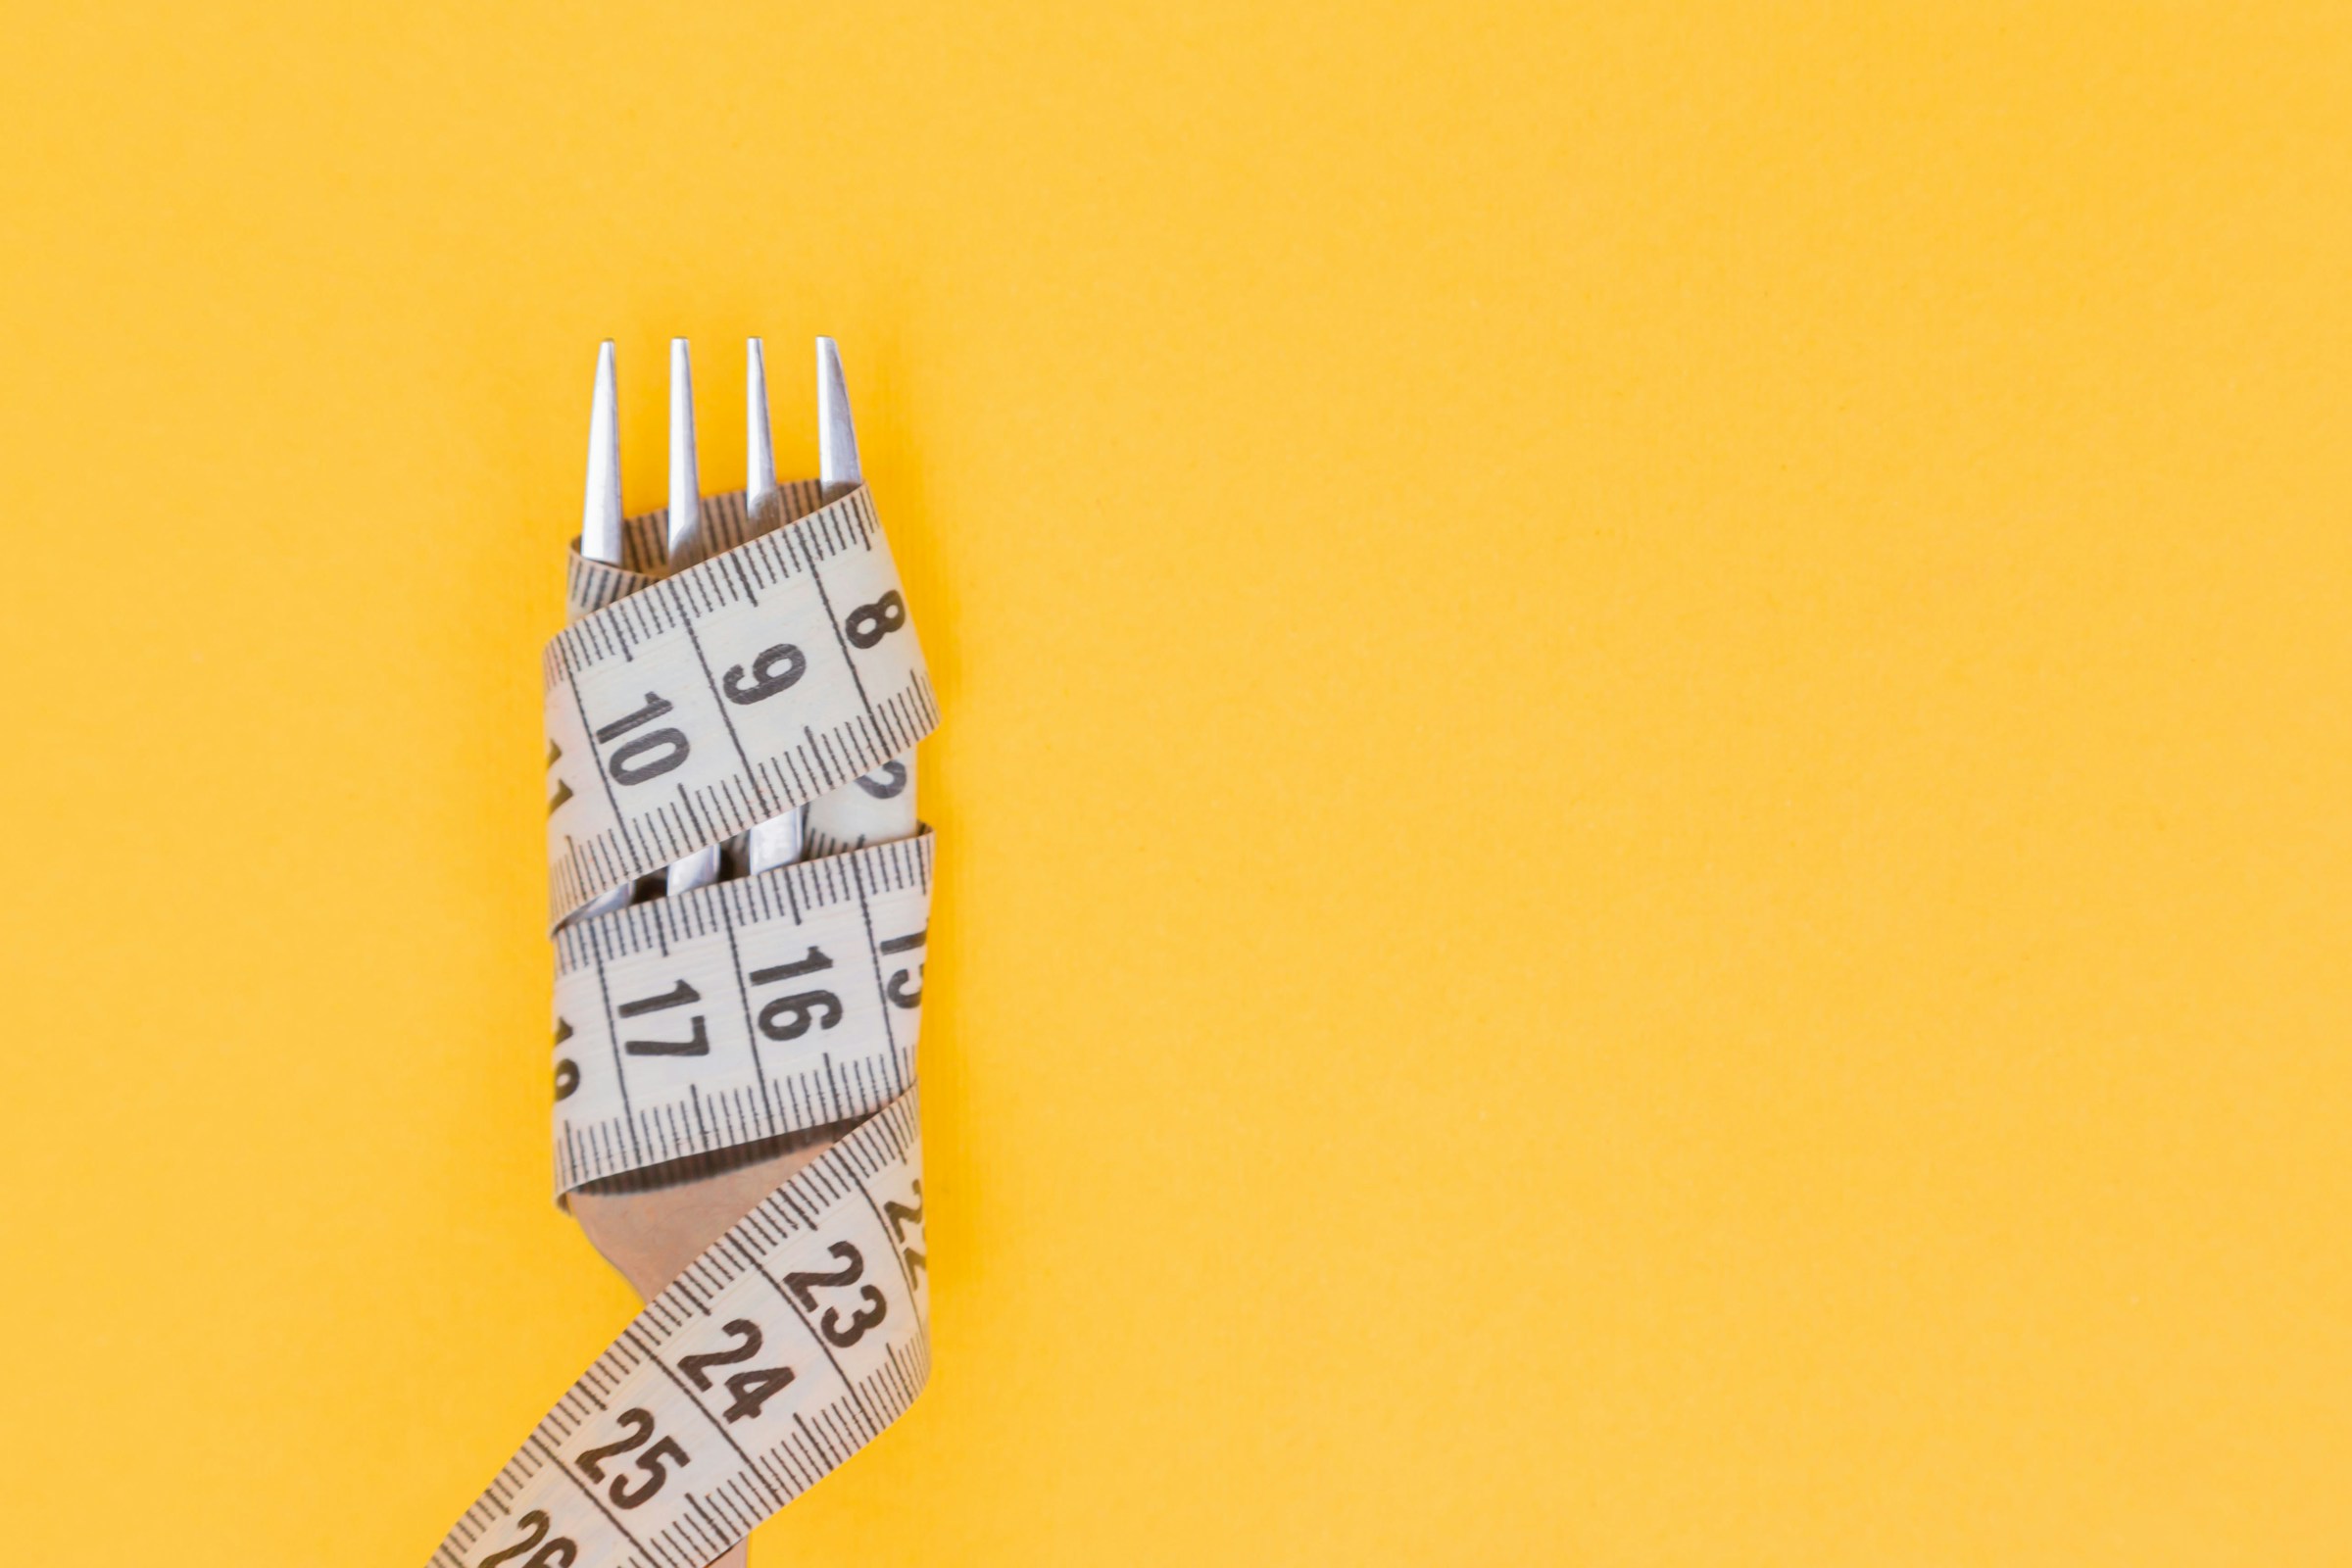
[782,839]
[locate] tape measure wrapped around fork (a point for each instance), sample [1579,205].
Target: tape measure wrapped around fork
[690,709]
[681,712]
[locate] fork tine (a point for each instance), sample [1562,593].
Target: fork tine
[758,446]
[685,484]
[836,438]
[600,515]
[854,813]
[776,841]
[700,868]
[600,530]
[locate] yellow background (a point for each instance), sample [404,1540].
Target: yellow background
[1646,801]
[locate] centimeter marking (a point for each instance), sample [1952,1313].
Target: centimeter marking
[781,1350]
[726,521]
[744,686]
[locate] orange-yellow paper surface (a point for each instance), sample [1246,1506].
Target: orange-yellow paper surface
[1648,785]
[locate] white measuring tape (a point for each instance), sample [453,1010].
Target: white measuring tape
[754,682]
[779,670]
[738,1012]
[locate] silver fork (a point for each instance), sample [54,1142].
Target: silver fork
[870,810]
[651,1223]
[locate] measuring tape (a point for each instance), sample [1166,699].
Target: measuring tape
[691,708]
[680,711]
[781,1351]
[738,1012]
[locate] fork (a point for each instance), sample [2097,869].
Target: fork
[649,1224]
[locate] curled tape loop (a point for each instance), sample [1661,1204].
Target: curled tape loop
[781,1351]
[682,710]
